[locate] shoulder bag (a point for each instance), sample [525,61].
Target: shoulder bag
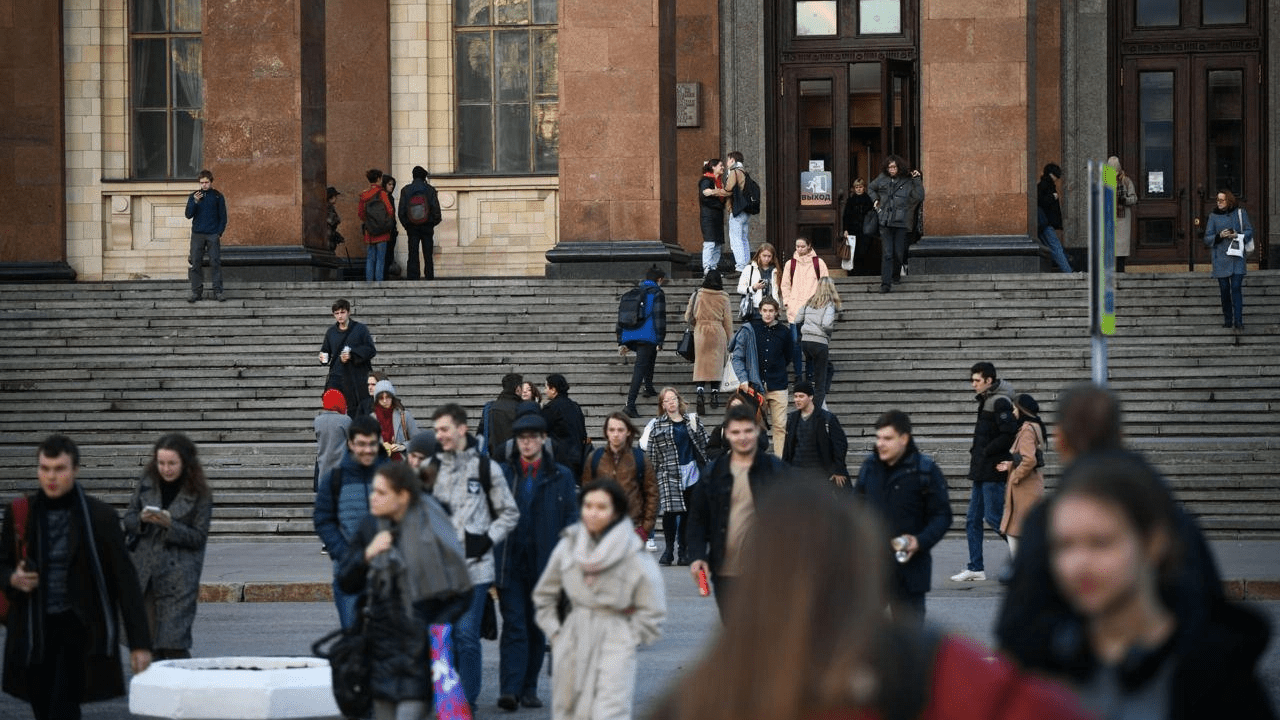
[685,347]
[351,671]
[20,509]
[1248,246]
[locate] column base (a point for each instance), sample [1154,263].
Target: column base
[281,263]
[36,272]
[620,259]
[979,254]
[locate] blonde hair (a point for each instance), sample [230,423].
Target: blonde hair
[825,294]
[858,182]
[777,263]
[662,396]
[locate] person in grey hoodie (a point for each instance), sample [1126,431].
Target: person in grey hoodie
[816,320]
[993,435]
[481,518]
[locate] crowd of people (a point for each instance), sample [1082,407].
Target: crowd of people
[1113,608]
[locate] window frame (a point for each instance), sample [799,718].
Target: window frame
[170,109]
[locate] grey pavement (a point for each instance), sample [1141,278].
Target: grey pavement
[293,570]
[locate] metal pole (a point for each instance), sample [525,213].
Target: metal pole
[1098,358]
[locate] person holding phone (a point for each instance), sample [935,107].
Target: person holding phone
[1227,221]
[207,211]
[167,526]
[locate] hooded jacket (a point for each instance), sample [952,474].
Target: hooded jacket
[993,433]
[654,328]
[457,487]
[911,497]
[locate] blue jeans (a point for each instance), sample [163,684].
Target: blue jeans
[375,262]
[710,256]
[986,502]
[1050,238]
[740,240]
[1231,289]
[522,645]
[466,643]
[797,355]
[345,602]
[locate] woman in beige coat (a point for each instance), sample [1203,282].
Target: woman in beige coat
[1025,487]
[615,601]
[710,315]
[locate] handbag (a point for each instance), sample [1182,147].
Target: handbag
[685,347]
[446,686]
[1236,247]
[489,619]
[20,509]
[728,378]
[1248,246]
[746,308]
[847,250]
[870,225]
[350,670]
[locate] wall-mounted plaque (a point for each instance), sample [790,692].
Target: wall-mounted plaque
[687,104]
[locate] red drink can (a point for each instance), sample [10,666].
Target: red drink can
[704,588]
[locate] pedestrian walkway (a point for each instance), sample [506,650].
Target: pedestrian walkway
[296,571]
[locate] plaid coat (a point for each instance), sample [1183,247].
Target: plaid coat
[659,442]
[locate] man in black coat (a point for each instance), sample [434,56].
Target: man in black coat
[68,581]
[909,491]
[348,350]
[814,438]
[993,435]
[723,501]
[420,213]
[498,415]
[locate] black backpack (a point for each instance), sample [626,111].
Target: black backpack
[631,312]
[377,221]
[750,195]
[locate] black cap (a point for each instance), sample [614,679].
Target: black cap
[332,192]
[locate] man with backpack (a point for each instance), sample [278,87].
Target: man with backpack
[420,214]
[483,513]
[342,501]
[746,202]
[378,215]
[642,326]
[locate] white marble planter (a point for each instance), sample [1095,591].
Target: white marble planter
[234,688]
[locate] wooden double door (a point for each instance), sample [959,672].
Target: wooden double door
[837,122]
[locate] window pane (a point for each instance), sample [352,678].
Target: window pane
[545,12]
[150,15]
[1155,231]
[546,55]
[513,66]
[475,73]
[1225,12]
[546,140]
[186,15]
[149,74]
[512,12]
[879,17]
[188,141]
[471,12]
[1226,129]
[815,17]
[149,145]
[1158,13]
[187,84]
[1155,110]
[475,139]
[513,138]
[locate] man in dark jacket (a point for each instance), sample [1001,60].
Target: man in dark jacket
[565,424]
[207,211]
[68,582]
[645,340]
[815,438]
[1049,215]
[909,491]
[992,437]
[419,212]
[722,504]
[348,350]
[498,415]
[760,352]
[547,498]
[342,501]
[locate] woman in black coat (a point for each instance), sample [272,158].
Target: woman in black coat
[410,565]
[711,195]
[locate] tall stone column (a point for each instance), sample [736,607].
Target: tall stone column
[264,133]
[617,138]
[978,137]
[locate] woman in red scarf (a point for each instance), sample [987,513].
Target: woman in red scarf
[397,423]
[711,196]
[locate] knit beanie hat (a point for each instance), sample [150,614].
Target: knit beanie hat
[383,386]
[334,400]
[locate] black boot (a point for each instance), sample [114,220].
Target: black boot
[715,398]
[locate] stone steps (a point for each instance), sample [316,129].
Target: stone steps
[117,364]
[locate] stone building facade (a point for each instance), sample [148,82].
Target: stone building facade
[107,107]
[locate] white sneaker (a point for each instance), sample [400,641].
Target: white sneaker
[969,576]
[651,545]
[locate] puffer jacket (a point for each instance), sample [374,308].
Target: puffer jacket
[337,523]
[898,198]
[993,433]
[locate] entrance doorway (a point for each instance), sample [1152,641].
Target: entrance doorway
[1191,121]
[838,122]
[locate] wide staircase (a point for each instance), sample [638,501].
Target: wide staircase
[115,365]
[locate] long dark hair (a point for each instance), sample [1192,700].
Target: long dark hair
[192,477]
[796,605]
[616,494]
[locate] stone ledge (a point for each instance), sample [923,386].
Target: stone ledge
[966,254]
[37,272]
[1257,590]
[622,259]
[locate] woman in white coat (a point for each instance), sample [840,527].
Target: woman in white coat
[600,596]
[760,279]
